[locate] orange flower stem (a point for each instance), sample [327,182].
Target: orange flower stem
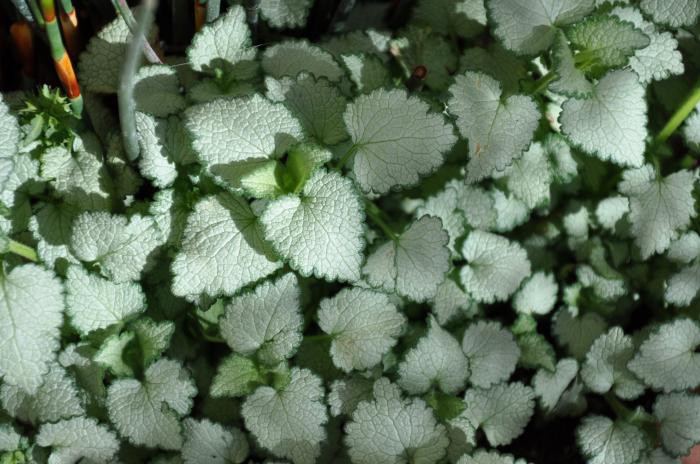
[69,24]
[21,34]
[200,14]
[62,62]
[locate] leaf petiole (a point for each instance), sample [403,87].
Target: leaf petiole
[680,115]
[375,214]
[346,156]
[22,250]
[542,83]
[621,411]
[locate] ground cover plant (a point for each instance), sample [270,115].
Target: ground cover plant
[432,231]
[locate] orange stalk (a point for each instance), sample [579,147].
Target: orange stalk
[64,68]
[200,14]
[62,62]
[21,34]
[69,24]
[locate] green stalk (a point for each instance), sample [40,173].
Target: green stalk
[375,214]
[543,82]
[67,6]
[213,10]
[127,105]
[62,62]
[23,250]
[680,115]
[621,411]
[344,159]
[36,12]
[124,11]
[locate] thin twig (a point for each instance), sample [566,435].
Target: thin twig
[127,105]
[125,12]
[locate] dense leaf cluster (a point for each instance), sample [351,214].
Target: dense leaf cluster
[325,254]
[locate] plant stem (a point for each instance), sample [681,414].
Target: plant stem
[23,250]
[62,62]
[125,12]
[622,411]
[69,24]
[200,14]
[346,156]
[67,6]
[654,160]
[543,82]
[36,12]
[127,105]
[23,40]
[680,115]
[213,9]
[375,214]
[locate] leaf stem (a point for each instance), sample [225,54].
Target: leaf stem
[344,159]
[23,250]
[654,160]
[543,82]
[680,115]
[375,214]
[127,105]
[622,411]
